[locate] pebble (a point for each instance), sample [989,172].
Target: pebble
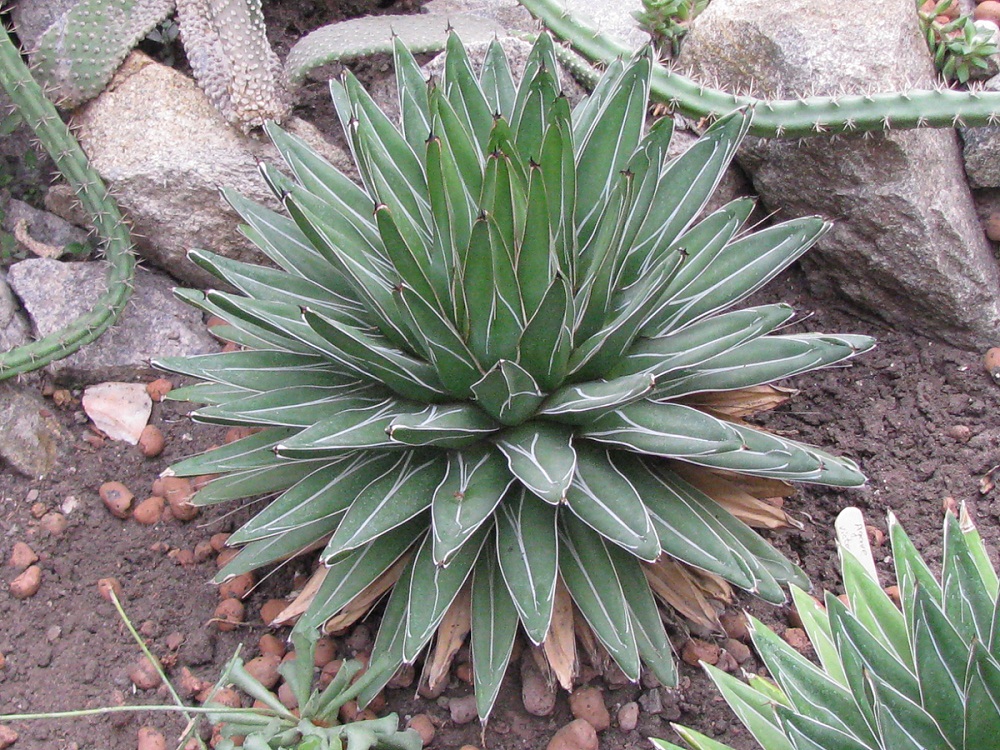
[739,650]
[628,716]
[539,699]
[463,710]
[151,441]
[178,491]
[651,701]
[106,585]
[27,584]
[271,609]
[227,696]
[587,703]
[54,523]
[229,615]
[735,625]
[577,735]
[218,541]
[22,556]
[360,639]
[959,433]
[325,652]
[727,662]
[403,678]
[117,498]
[422,725]
[797,639]
[7,736]
[188,684]
[696,651]
[159,388]
[203,551]
[264,669]
[271,644]
[236,587]
[151,739]
[143,674]
[992,361]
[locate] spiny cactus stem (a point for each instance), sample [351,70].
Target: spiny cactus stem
[794,118]
[41,115]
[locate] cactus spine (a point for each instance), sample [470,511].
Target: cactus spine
[795,118]
[41,115]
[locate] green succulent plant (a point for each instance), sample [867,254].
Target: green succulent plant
[667,20]
[959,46]
[315,725]
[924,675]
[502,377]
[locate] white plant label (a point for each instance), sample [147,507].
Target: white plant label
[853,536]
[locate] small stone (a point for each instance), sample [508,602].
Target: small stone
[218,541]
[7,736]
[52,633]
[117,498]
[797,639]
[203,551]
[360,639]
[287,697]
[739,650]
[735,625]
[188,684]
[959,433]
[464,672]
[628,716]
[149,511]
[992,359]
[108,585]
[225,557]
[144,674]
[178,492]
[422,725]
[175,640]
[271,644]
[538,697]
[159,388]
[463,710]
[727,662]
[236,587]
[403,678]
[27,584]
[54,523]
[696,651]
[264,669]
[271,609]
[225,697]
[325,652]
[651,701]
[21,556]
[329,672]
[38,509]
[229,614]
[151,441]
[151,739]
[588,703]
[577,735]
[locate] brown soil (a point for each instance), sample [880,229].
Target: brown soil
[918,415]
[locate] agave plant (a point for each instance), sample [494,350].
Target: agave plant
[923,676]
[501,377]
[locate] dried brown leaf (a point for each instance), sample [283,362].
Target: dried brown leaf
[450,636]
[753,511]
[305,598]
[359,605]
[676,584]
[560,642]
[743,402]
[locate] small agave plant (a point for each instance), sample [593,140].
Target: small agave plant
[923,676]
[501,377]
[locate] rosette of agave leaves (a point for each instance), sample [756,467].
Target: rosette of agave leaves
[501,378]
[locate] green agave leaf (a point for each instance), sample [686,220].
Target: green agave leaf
[281,319]
[285,407]
[508,393]
[547,340]
[911,570]
[494,626]
[388,649]
[475,481]
[753,708]
[605,147]
[658,429]
[541,455]
[442,426]
[497,84]
[684,188]
[468,155]
[326,492]
[874,609]
[942,658]
[527,552]
[741,268]
[283,242]
[529,122]
[585,402]
[810,690]
[700,341]
[541,57]
[464,92]
[350,574]
[391,500]
[251,452]
[250,482]
[967,604]
[982,703]
[695,740]
[356,425]
[279,547]
[535,262]
[207,393]
[590,576]
[808,733]
[903,723]
[261,369]
[418,265]
[603,496]
[980,557]
[454,364]
[414,107]
[763,360]
[816,623]
[377,360]
[433,588]
[651,637]
[558,164]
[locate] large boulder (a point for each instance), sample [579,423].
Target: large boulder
[906,246]
[166,153]
[154,324]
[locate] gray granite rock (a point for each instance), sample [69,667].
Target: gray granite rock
[166,152]
[31,439]
[43,226]
[154,324]
[906,246]
[981,150]
[14,328]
